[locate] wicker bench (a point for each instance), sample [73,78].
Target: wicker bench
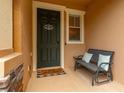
[93,67]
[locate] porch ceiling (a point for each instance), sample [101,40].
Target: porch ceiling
[77,4]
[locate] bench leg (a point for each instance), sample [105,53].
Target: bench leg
[111,75]
[93,81]
[75,66]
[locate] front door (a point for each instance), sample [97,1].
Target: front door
[48,38]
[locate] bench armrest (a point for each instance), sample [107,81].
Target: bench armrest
[78,57]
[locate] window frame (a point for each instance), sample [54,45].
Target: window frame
[75,13]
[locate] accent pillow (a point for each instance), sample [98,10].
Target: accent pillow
[87,57]
[104,59]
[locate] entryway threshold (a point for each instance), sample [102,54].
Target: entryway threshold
[49,68]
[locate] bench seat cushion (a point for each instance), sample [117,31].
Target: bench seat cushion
[89,66]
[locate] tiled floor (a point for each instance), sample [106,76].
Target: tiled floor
[70,82]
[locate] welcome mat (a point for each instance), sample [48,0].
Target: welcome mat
[50,72]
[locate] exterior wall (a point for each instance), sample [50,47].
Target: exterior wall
[23,34]
[105,30]
[72,50]
[6,24]
[27,39]
[17,26]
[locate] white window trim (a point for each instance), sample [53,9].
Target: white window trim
[37,4]
[75,12]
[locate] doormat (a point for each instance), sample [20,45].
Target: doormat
[50,72]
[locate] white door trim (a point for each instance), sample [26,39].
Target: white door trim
[37,4]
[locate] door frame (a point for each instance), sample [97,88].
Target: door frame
[61,9]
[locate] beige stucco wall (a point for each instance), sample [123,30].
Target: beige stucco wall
[105,30]
[27,39]
[72,50]
[23,35]
[6,24]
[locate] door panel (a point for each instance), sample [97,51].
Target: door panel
[48,38]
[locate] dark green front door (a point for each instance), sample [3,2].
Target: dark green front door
[48,38]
